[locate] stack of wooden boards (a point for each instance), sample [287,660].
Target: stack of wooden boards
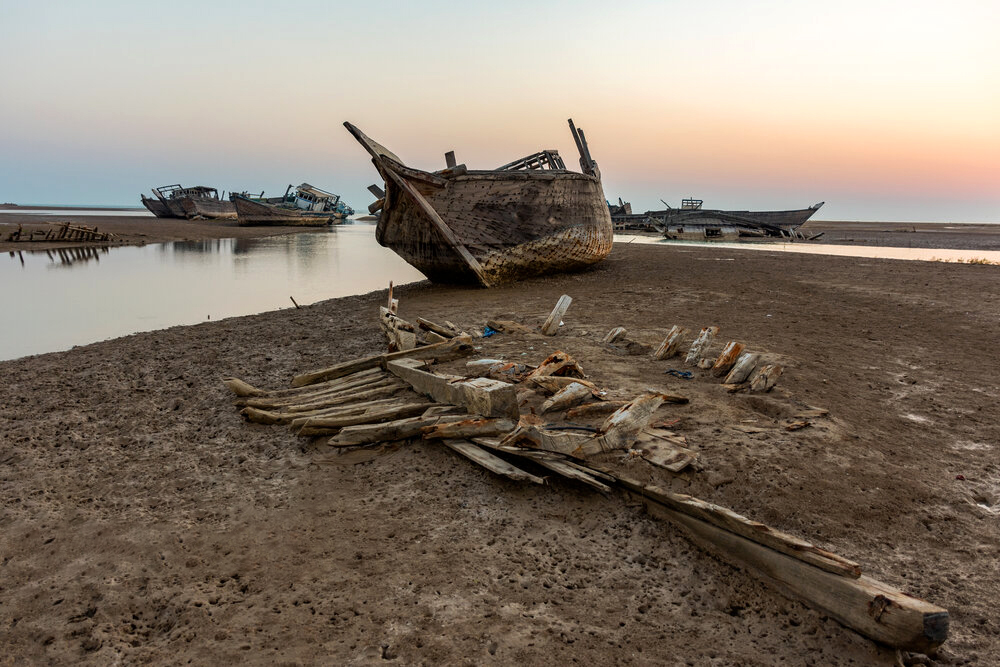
[524,422]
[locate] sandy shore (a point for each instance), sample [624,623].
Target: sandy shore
[144,521]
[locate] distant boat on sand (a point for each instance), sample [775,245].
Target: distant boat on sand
[692,215]
[304,205]
[200,201]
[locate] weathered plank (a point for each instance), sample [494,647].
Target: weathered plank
[701,345]
[553,384]
[439,329]
[872,608]
[330,425]
[468,428]
[365,434]
[727,359]
[401,334]
[596,409]
[491,462]
[531,431]
[567,397]
[765,378]
[620,430]
[745,365]
[614,334]
[671,344]
[482,396]
[558,364]
[551,325]
[356,382]
[460,346]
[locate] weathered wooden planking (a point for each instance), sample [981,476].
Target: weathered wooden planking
[596,409]
[671,344]
[765,378]
[567,397]
[745,365]
[727,359]
[460,346]
[468,428]
[356,382]
[331,425]
[439,329]
[553,384]
[551,325]
[481,396]
[753,530]
[365,434]
[620,430]
[558,364]
[401,334]
[872,608]
[614,334]
[701,344]
[530,430]
[491,462]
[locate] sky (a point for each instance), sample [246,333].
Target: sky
[886,110]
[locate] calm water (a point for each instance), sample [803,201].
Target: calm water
[54,300]
[130,212]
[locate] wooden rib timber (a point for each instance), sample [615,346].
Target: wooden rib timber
[488,227]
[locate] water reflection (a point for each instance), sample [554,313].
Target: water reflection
[108,292]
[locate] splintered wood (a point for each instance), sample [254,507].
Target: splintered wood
[526,422]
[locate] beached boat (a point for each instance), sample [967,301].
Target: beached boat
[175,201]
[691,214]
[458,225]
[304,205]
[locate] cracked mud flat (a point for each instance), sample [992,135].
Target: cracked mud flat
[144,521]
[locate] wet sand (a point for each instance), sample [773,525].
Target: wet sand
[144,521]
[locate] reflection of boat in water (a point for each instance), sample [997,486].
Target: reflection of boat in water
[302,206]
[485,227]
[691,218]
[175,201]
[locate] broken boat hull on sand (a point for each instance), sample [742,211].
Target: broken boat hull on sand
[492,226]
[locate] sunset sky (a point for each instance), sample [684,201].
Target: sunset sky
[885,110]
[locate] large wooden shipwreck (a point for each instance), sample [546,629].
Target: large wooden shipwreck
[199,201]
[486,227]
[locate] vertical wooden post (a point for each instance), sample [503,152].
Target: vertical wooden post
[551,325]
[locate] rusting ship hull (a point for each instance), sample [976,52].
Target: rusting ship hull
[251,213]
[490,227]
[208,208]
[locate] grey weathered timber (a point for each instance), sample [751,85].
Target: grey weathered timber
[551,325]
[745,365]
[460,346]
[553,384]
[727,358]
[614,335]
[489,226]
[571,395]
[321,425]
[765,378]
[241,388]
[620,430]
[401,334]
[364,434]
[439,329]
[468,428]
[481,396]
[701,344]
[530,431]
[269,402]
[596,409]
[671,344]
[558,363]
[491,462]
[870,607]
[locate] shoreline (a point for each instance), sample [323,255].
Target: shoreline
[145,518]
[142,230]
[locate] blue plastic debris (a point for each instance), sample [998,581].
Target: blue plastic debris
[489,331]
[684,375]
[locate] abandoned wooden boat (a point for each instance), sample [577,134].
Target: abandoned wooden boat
[304,205]
[175,201]
[458,225]
[780,224]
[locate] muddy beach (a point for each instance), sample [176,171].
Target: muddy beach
[145,521]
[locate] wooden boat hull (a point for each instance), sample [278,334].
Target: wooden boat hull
[195,207]
[157,207]
[490,227]
[773,223]
[252,213]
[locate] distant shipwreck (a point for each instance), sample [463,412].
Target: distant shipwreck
[486,227]
[691,222]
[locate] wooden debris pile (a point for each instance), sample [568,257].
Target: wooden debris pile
[526,421]
[63,231]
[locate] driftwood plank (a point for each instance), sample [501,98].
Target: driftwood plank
[558,364]
[460,346]
[765,378]
[491,462]
[614,334]
[401,334]
[439,329]
[620,430]
[866,605]
[727,359]
[553,384]
[530,430]
[331,425]
[331,395]
[468,428]
[567,397]
[365,434]
[551,325]
[701,345]
[596,409]
[745,365]
[671,344]
[482,396]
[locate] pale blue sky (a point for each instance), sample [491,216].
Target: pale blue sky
[885,110]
